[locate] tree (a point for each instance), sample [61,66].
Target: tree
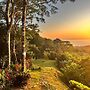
[36,10]
[9,22]
[23,35]
[3,44]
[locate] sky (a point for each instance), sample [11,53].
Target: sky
[72,22]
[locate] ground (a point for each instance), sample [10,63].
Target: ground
[47,77]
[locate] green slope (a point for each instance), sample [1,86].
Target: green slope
[46,78]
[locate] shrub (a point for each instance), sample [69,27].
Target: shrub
[19,80]
[70,68]
[65,58]
[73,72]
[5,79]
[35,68]
[13,79]
[75,84]
[4,62]
[16,67]
[52,55]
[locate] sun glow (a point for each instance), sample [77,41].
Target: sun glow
[76,29]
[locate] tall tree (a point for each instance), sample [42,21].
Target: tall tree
[36,9]
[23,35]
[9,22]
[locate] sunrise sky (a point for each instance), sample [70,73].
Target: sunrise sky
[72,22]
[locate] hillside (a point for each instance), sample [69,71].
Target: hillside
[86,65]
[46,78]
[84,49]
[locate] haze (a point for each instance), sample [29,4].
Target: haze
[72,22]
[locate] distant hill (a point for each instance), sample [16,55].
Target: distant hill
[84,49]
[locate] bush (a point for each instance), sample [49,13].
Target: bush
[19,80]
[10,79]
[77,85]
[35,68]
[16,67]
[52,55]
[5,79]
[4,62]
[66,58]
[70,68]
[73,72]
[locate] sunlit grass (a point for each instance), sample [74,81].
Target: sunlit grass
[45,63]
[45,78]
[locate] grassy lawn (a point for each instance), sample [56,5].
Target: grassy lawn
[47,77]
[45,63]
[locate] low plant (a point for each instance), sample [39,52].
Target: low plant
[35,68]
[77,85]
[20,79]
[13,79]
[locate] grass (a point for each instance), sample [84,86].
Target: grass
[48,78]
[45,63]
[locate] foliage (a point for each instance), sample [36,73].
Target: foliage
[20,79]
[80,86]
[85,63]
[66,59]
[5,78]
[73,71]
[35,68]
[39,47]
[4,62]
[3,40]
[52,55]
[10,79]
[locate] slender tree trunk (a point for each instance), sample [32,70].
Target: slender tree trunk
[14,49]
[23,35]
[14,42]
[9,22]
[9,48]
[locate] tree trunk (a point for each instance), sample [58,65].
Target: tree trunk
[9,48]
[14,50]
[9,22]
[23,35]
[14,42]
